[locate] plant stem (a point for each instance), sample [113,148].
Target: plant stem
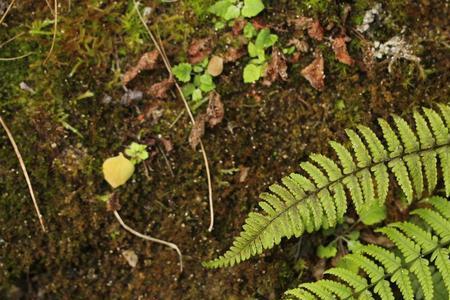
[149,238]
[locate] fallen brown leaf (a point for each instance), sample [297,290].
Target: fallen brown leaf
[277,67]
[131,257]
[198,50]
[147,61]
[314,72]
[233,54]
[315,30]
[243,173]
[300,45]
[379,240]
[238,26]
[197,131]
[301,23]
[215,66]
[168,146]
[215,110]
[340,50]
[319,269]
[159,90]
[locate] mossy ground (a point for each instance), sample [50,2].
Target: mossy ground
[64,138]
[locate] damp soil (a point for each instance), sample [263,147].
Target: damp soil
[64,138]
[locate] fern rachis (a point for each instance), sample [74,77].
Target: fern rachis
[318,199]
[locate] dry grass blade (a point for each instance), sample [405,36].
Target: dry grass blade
[25,173]
[149,238]
[15,58]
[55,28]
[191,116]
[7,11]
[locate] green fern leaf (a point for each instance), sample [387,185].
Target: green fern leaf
[383,289]
[337,288]
[424,238]
[442,262]
[361,153]
[389,261]
[318,198]
[317,290]
[435,221]
[445,110]
[301,294]
[442,205]
[357,282]
[422,271]
[403,281]
[408,248]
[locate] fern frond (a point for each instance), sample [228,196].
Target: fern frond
[319,195]
[421,250]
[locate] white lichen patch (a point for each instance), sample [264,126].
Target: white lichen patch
[369,17]
[394,49]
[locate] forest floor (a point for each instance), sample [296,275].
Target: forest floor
[68,111]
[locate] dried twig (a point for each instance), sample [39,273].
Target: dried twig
[166,61]
[25,173]
[149,238]
[7,11]
[55,28]
[16,57]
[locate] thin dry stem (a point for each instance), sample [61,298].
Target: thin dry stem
[25,173]
[7,11]
[149,238]
[15,58]
[55,28]
[11,39]
[166,61]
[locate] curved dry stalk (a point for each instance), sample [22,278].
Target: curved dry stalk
[11,39]
[25,173]
[15,58]
[149,238]
[166,61]
[55,28]
[7,11]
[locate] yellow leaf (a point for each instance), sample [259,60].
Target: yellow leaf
[117,170]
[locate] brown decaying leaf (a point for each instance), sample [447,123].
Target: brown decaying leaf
[159,90]
[213,116]
[243,173]
[238,26]
[379,240]
[215,110]
[301,23]
[315,30]
[314,72]
[147,61]
[168,146]
[233,54]
[319,269]
[215,66]
[277,68]
[198,130]
[198,50]
[340,50]
[131,257]
[300,45]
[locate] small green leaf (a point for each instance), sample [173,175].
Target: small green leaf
[249,30]
[252,8]
[373,214]
[182,72]
[137,152]
[219,25]
[232,13]
[197,95]
[188,89]
[204,82]
[326,251]
[220,8]
[252,73]
[265,39]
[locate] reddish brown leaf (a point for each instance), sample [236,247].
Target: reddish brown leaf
[340,50]
[277,68]
[198,130]
[258,24]
[199,50]
[147,61]
[238,26]
[168,146]
[300,45]
[215,110]
[233,54]
[314,72]
[301,23]
[159,90]
[315,30]
[243,173]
